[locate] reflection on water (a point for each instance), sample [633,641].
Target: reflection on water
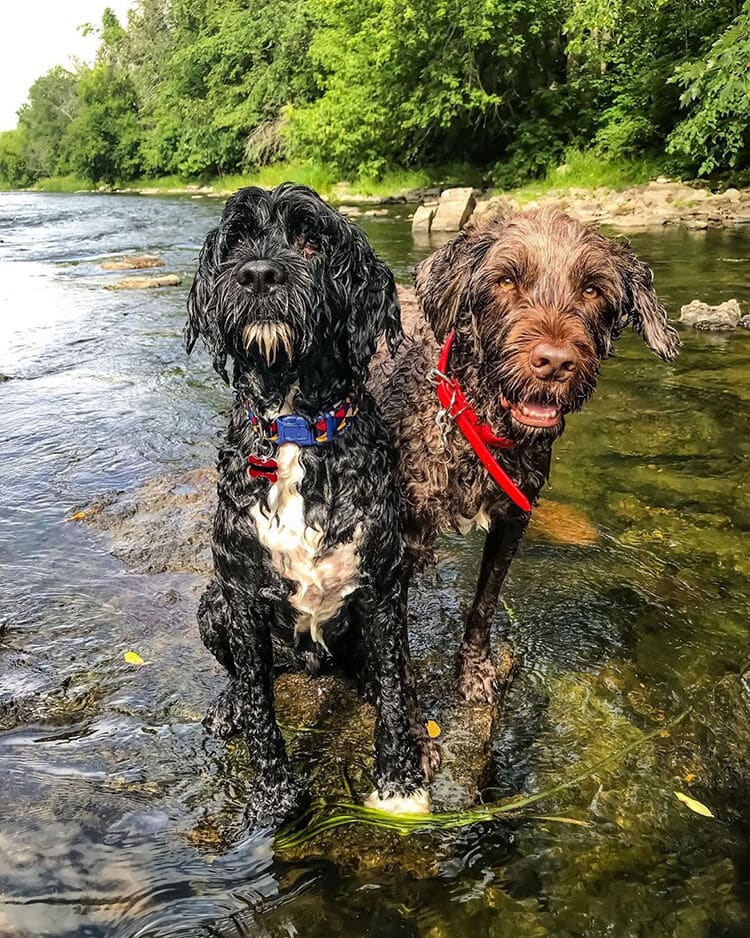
[105,770]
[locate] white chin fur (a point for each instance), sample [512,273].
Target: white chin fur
[416,803]
[270,338]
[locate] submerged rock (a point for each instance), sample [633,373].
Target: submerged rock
[561,524]
[147,283]
[137,262]
[163,526]
[707,318]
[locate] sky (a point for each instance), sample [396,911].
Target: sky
[37,34]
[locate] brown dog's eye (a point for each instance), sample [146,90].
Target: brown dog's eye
[507,284]
[591,293]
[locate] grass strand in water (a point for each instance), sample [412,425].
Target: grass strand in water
[346,812]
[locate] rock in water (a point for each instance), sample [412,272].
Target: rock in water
[454,210]
[147,283]
[137,262]
[700,315]
[165,527]
[421,222]
[561,524]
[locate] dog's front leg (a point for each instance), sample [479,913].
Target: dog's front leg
[275,793]
[400,767]
[477,679]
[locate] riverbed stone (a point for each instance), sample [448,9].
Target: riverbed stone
[165,528]
[744,322]
[655,204]
[708,318]
[422,219]
[454,209]
[147,283]
[136,262]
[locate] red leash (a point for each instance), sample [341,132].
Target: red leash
[479,435]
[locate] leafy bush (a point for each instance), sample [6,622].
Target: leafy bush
[716,134]
[372,88]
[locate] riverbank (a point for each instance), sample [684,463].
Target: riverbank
[652,203]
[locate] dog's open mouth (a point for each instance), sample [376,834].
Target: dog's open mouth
[271,338]
[533,413]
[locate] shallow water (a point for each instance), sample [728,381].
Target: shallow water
[105,770]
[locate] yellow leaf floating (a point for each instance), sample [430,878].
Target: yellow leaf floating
[132,657]
[697,806]
[78,516]
[433,729]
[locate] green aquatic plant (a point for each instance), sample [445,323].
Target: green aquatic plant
[328,814]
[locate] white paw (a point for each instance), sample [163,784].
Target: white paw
[417,802]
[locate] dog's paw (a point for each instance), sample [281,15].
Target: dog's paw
[222,719]
[477,680]
[418,802]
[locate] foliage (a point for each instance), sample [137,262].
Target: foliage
[103,140]
[589,170]
[372,88]
[410,81]
[717,95]
[44,119]
[14,173]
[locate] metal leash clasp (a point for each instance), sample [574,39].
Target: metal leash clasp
[445,418]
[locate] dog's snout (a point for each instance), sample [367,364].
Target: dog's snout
[552,362]
[259,275]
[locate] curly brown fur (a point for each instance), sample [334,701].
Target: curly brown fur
[536,302]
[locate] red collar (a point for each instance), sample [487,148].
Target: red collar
[479,435]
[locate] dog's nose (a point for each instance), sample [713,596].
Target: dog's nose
[260,275]
[553,362]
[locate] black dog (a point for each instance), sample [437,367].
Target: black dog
[307,540]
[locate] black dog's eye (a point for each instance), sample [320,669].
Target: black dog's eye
[310,246]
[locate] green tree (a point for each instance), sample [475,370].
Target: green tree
[716,132]
[102,142]
[51,107]
[14,172]
[213,100]
[403,81]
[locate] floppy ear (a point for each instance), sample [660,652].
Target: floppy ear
[376,312]
[201,317]
[442,284]
[643,309]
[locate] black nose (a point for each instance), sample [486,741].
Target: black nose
[259,276]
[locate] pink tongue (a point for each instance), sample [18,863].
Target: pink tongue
[542,410]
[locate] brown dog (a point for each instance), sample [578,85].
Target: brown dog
[534,303]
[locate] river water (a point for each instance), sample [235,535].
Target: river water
[104,768]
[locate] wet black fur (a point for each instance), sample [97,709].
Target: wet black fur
[338,299]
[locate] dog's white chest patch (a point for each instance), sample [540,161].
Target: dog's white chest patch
[480,520]
[323,576]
